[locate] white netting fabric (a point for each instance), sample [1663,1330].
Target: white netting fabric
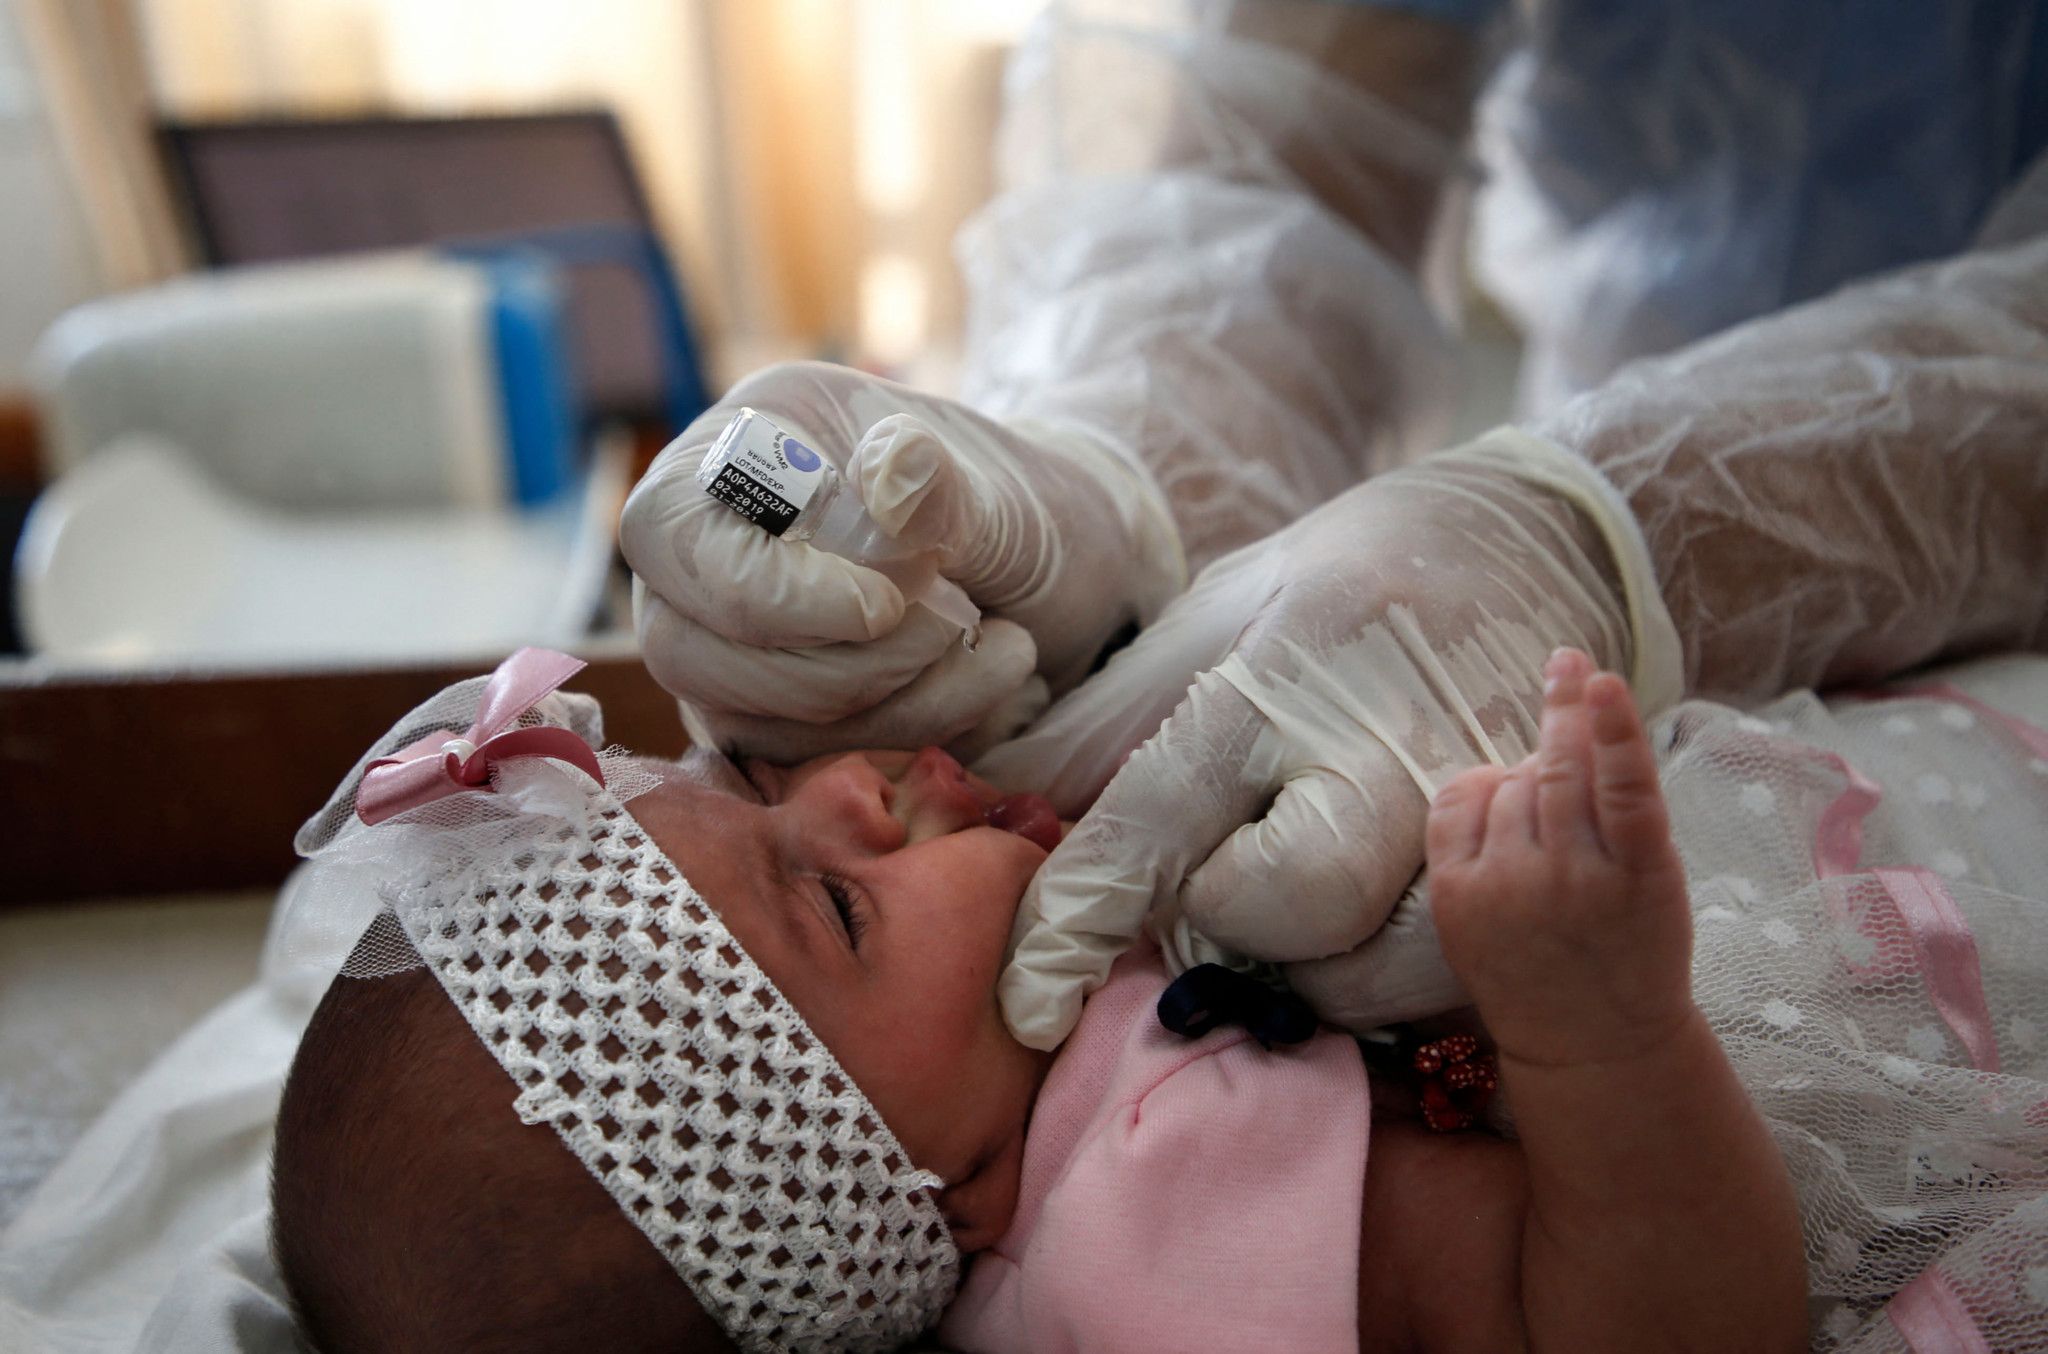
[1841,862]
[635,1025]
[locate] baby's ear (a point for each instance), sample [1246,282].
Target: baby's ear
[978,1208]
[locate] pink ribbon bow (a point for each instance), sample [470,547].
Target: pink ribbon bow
[443,764]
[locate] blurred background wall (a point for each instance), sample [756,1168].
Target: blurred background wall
[47,263]
[808,160]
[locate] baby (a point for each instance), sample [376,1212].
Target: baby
[1164,1193]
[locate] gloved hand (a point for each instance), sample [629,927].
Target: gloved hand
[785,651]
[1348,666]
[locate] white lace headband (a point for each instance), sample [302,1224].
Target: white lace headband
[633,1022]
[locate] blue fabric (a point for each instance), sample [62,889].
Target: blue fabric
[541,395]
[1663,169]
[1209,995]
[1877,76]
[535,379]
[1467,12]
[2032,111]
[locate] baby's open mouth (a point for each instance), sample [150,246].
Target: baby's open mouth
[1029,816]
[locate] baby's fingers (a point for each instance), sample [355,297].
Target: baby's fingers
[1457,816]
[1564,758]
[1627,803]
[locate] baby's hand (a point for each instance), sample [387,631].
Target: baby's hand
[1558,894]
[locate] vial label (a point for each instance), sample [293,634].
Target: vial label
[762,473]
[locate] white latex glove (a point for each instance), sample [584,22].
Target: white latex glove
[1348,666]
[785,651]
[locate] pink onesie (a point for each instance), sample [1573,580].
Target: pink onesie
[1178,1193]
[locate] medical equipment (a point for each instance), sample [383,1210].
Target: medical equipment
[789,491]
[1060,536]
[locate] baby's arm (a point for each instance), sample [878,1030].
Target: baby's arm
[1660,1214]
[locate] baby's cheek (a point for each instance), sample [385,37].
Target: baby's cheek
[952,901]
[933,1025]
[988,872]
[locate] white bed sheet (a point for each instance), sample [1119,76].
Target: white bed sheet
[151,1233]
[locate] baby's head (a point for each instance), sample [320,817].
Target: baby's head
[415,1206]
[872,891]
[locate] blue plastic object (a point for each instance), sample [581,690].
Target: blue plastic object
[686,394]
[535,374]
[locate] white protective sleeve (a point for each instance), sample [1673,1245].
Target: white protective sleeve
[1207,249]
[1829,496]
[1850,488]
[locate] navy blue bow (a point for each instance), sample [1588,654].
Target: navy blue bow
[1209,995]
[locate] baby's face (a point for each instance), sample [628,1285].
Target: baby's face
[870,889]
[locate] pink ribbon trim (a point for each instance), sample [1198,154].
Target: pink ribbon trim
[1947,951]
[1944,947]
[1931,1318]
[1928,1313]
[1838,838]
[443,764]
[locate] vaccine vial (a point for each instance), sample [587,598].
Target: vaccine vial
[790,491]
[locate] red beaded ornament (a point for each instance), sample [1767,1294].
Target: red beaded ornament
[1456,1082]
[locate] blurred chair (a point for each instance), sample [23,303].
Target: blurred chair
[350,459]
[137,557]
[562,184]
[328,447]
[385,380]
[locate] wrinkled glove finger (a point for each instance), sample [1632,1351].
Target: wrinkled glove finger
[1178,796]
[963,696]
[810,685]
[1322,869]
[1398,974]
[986,523]
[1005,719]
[730,576]
[914,487]
[1077,745]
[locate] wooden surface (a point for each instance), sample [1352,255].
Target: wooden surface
[21,469]
[148,783]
